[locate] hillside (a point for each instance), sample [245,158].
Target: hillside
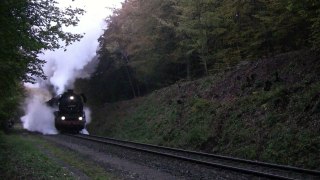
[264,110]
[149,45]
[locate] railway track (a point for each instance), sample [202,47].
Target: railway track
[242,166]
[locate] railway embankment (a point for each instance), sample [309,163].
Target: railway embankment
[267,110]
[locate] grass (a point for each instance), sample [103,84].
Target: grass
[275,126]
[89,168]
[166,124]
[280,125]
[20,158]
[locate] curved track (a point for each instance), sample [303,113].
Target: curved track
[255,168]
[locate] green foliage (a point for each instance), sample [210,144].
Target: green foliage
[153,44]
[199,105]
[288,146]
[225,115]
[27,28]
[142,126]
[9,101]
[139,43]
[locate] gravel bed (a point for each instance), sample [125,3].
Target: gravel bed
[213,159]
[253,167]
[131,164]
[120,167]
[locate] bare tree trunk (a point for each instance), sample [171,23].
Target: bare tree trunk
[205,66]
[130,81]
[188,69]
[205,52]
[204,45]
[138,89]
[124,54]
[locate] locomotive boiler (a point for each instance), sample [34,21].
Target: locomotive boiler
[70,116]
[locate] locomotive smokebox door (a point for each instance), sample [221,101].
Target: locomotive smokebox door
[70,117]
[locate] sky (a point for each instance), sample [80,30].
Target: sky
[63,67]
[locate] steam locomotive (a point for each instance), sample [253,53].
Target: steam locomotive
[70,116]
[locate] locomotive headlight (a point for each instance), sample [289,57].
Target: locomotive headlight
[71,97]
[80,118]
[63,117]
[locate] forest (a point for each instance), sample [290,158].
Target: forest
[152,44]
[148,45]
[232,77]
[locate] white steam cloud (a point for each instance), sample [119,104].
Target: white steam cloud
[64,67]
[39,117]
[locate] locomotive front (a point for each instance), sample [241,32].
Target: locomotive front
[70,117]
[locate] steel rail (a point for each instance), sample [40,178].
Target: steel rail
[216,165]
[258,163]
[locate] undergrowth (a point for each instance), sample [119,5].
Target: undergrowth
[266,118]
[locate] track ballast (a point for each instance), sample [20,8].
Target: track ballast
[242,166]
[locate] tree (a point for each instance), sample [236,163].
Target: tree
[27,28]
[310,13]
[156,43]
[30,26]
[195,26]
[141,43]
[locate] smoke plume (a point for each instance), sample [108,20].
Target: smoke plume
[64,67]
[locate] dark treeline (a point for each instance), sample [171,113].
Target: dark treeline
[152,44]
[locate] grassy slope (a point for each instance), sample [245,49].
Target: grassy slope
[268,110]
